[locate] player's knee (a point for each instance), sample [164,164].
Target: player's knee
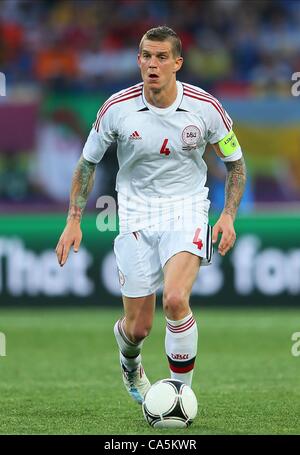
[175,303]
[138,333]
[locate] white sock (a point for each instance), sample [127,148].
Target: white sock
[129,352]
[181,347]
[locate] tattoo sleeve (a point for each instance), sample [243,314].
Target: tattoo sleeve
[82,185]
[234,186]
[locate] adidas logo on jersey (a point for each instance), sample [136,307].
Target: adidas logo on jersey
[135,135]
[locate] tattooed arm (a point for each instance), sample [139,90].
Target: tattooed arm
[234,189]
[234,186]
[82,185]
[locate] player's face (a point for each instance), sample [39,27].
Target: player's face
[158,64]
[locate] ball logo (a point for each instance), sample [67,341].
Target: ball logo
[191,135]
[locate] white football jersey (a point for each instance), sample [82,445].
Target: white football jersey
[160,152]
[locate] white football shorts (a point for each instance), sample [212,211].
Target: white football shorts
[141,255]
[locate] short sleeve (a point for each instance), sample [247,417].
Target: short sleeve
[219,128]
[101,136]
[218,122]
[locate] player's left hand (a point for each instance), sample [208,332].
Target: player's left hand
[225,226]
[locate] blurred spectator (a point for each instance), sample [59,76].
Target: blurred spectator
[98,63]
[60,140]
[271,76]
[14,185]
[209,60]
[59,146]
[57,64]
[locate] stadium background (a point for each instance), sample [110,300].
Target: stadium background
[61,60]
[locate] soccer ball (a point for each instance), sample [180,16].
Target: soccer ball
[169,403]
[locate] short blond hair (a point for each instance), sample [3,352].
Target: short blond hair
[163,33]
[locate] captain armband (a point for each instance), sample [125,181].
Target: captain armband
[230,147]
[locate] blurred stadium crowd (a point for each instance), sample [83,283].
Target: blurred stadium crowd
[229,45]
[232,48]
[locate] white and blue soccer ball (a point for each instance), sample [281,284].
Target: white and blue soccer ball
[169,403]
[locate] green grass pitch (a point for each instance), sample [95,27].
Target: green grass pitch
[61,373]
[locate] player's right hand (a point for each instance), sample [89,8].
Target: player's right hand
[71,235]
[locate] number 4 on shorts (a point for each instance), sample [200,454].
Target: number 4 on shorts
[164,149]
[197,240]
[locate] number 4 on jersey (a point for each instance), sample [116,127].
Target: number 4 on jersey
[164,149]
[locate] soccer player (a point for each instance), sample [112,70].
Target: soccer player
[162,127]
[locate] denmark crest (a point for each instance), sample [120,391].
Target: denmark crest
[191,135]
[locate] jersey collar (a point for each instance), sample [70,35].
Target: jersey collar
[166,110]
